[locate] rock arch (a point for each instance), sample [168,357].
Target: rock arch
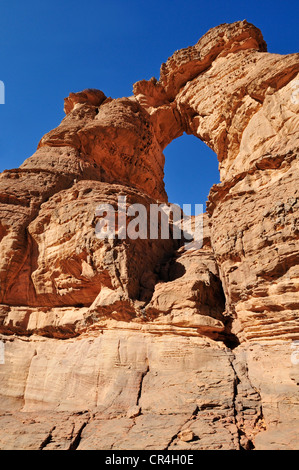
[148,313]
[227,91]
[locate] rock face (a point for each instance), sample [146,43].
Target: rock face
[141,343]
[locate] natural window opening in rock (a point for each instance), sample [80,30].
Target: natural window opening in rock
[191,168]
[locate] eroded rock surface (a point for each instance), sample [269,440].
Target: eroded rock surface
[142,343]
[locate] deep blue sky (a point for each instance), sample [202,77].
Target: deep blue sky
[48,49]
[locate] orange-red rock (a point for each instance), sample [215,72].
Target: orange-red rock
[126,344]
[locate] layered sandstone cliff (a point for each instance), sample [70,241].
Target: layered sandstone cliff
[142,343]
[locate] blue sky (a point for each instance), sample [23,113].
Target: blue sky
[49,49]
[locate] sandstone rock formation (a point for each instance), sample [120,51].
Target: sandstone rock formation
[141,343]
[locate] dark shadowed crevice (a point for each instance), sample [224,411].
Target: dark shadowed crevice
[141,384]
[76,441]
[47,440]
